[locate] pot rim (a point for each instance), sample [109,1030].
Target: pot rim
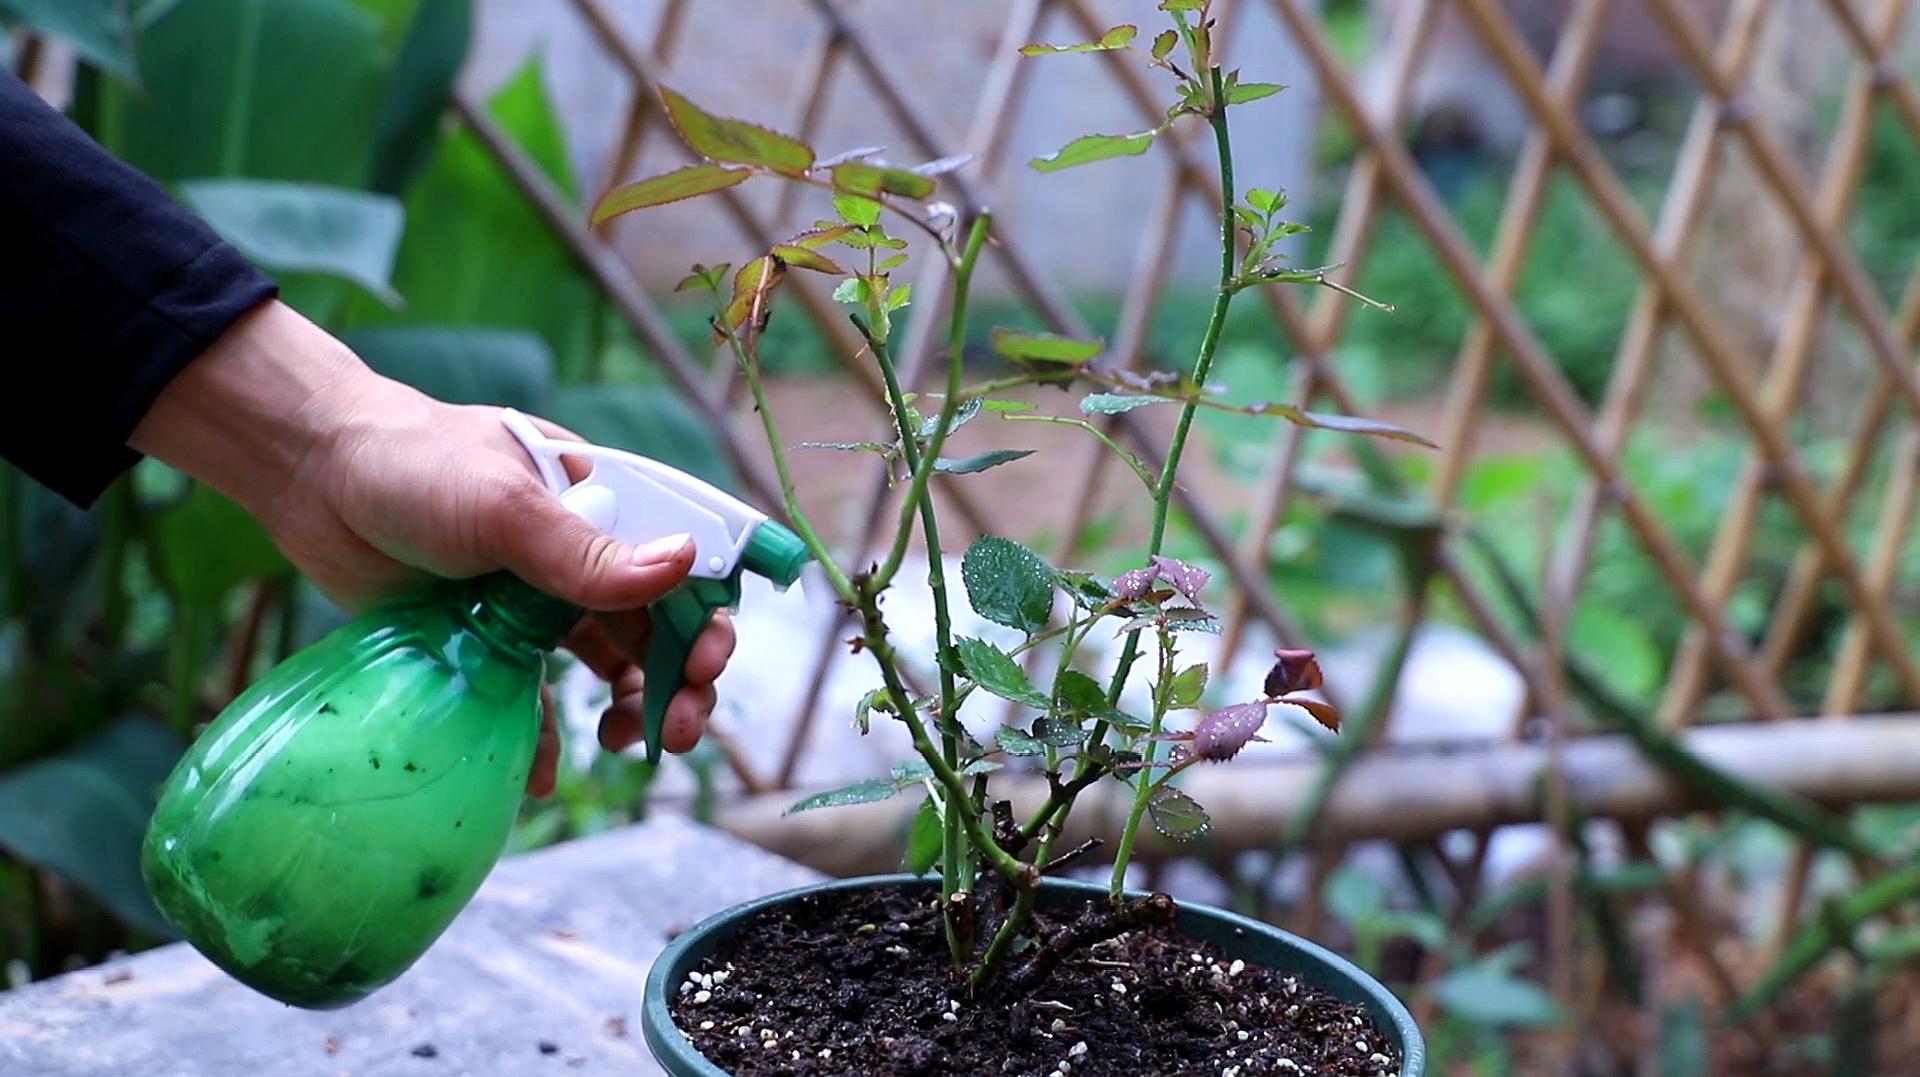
[668,1043]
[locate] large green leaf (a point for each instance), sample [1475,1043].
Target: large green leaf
[1496,998]
[82,813]
[99,30]
[270,89]
[1007,583]
[646,419]
[475,250]
[736,141]
[510,368]
[305,227]
[209,545]
[996,671]
[407,130]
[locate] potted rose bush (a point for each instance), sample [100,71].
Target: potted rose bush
[981,959]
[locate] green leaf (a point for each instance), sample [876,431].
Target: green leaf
[1188,686]
[925,839]
[407,126]
[305,228]
[1252,91]
[1265,201]
[855,209]
[678,185]
[1495,998]
[1090,148]
[1008,406]
[208,545]
[869,791]
[1008,583]
[996,671]
[267,89]
[1058,732]
[860,178]
[1685,1050]
[509,368]
[1163,44]
[1181,5]
[1079,693]
[735,140]
[848,446]
[851,290]
[650,420]
[802,258]
[876,700]
[98,30]
[1115,403]
[1044,347]
[968,465]
[705,278]
[900,297]
[82,814]
[1015,742]
[476,252]
[1117,38]
[1177,815]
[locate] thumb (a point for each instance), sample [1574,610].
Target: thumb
[541,541]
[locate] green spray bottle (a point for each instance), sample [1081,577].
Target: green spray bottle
[328,826]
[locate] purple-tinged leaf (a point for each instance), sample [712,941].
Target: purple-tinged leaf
[1132,585]
[1294,670]
[1324,713]
[1185,578]
[1220,735]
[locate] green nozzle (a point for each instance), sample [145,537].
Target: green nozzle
[775,553]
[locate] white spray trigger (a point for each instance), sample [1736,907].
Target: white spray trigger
[637,500]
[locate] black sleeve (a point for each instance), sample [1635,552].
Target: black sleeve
[108,288]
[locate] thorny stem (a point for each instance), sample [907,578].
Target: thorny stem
[962,279]
[1143,791]
[953,846]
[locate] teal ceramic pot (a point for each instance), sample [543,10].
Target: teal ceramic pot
[1250,940]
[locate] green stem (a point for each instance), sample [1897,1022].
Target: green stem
[1144,786]
[956,336]
[953,851]
[1203,364]
[1139,469]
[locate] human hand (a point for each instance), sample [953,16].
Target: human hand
[373,489]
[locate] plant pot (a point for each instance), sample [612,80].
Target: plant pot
[1237,936]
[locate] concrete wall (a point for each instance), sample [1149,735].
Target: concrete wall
[748,58]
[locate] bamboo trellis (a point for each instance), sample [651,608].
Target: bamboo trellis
[1671,317]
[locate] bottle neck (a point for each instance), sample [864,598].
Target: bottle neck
[512,610]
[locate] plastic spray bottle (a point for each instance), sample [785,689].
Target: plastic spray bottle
[328,826]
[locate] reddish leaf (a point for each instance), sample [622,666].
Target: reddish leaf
[1133,585]
[1185,578]
[1296,671]
[1322,712]
[1220,735]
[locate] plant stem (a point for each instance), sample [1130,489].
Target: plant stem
[1144,787]
[953,852]
[1203,363]
[956,336]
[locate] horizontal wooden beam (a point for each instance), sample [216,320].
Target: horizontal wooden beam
[1404,793]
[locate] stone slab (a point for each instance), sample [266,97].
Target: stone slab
[552,951]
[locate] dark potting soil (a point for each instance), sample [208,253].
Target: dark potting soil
[859,983]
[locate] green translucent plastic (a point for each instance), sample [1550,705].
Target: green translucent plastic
[326,829]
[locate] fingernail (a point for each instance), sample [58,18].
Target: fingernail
[663,549]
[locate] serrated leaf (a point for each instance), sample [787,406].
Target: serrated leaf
[1252,91]
[1015,742]
[1265,201]
[819,236]
[1008,583]
[1008,406]
[925,839]
[1090,148]
[860,178]
[801,258]
[1187,686]
[1118,37]
[856,209]
[1044,347]
[1056,731]
[1079,693]
[1116,403]
[1220,735]
[894,262]
[996,671]
[676,186]
[851,290]
[1177,815]
[962,415]
[943,165]
[968,465]
[735,140]
[869,791]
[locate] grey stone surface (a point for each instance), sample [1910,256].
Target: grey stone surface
[554,949]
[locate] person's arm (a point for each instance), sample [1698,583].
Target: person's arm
[108,289]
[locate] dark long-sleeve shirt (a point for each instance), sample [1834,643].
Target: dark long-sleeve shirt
[108,288]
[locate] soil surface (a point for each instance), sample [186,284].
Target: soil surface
[859,984]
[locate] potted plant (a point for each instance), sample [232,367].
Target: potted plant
[996,965]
